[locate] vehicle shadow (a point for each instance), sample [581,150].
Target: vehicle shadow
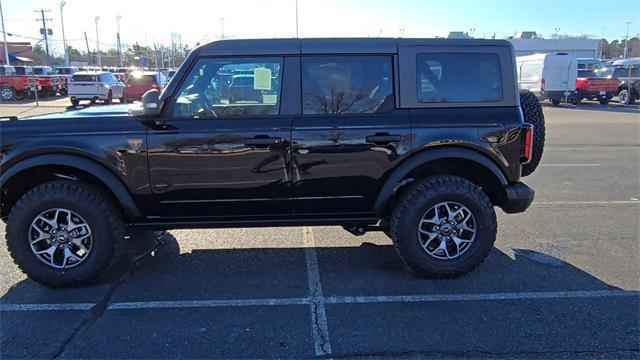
[155,269]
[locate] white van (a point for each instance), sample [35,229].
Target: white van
[549,76]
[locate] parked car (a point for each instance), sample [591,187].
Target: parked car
[627,76]
[418,138]
[14,86]
[140,82]
[55,83]
[95,86]
[43,84]
[66,72]
[549,76]
[591,87]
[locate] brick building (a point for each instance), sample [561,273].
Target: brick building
[20,53]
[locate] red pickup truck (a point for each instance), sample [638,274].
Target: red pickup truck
[14,86]
[591,87]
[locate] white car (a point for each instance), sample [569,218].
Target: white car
[95,86]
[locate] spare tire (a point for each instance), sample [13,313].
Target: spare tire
[532,111]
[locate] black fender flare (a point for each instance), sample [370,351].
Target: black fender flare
[106,176]
[391,184]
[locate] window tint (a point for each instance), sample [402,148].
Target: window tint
[83,77]
[347,84]
[458,78]
[231,88]
[586,73]
[623,72]
[142,79]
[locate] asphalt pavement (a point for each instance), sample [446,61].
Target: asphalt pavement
[562,282]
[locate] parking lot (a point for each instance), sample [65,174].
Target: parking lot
[562,282]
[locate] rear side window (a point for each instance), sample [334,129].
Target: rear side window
[82,77]
[458,77]
[347,84]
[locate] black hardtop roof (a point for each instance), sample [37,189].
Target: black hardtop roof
[332,45]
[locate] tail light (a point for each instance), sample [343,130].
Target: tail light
[526,150]
[542,85]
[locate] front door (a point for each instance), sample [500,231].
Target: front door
[349,136]
[223,148]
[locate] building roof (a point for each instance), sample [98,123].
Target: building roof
[331,45]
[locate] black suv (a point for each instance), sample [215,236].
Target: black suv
[419,138]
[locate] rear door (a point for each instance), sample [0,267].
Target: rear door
[350,134]
[217,157]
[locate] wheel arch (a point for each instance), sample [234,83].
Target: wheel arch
[458,161]
[99,174]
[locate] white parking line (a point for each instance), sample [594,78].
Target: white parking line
[329,300]
[319,326]
[569,165]
[586,203]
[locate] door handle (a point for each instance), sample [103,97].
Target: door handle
[262,141]
[383,138]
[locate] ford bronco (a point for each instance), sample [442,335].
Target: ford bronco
[418,138]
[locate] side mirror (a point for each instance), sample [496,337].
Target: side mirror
[151,103]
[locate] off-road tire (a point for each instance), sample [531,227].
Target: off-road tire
[413,204]
[626,97]
[532,111]
[7,93]
[75,102]
[84,199]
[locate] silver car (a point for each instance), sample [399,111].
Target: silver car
[95,86]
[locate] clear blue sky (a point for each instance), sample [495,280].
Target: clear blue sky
[199,21]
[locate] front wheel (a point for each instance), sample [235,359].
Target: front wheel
[64,233]
[7,93]
[443,227]
[625,97]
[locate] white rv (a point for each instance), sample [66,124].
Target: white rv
[549,76]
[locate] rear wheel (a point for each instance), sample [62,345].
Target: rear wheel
[532,111]
[64,233]
[75,102]
[7,93]
[443,226]
[577,100]
[555,102]
[604,101]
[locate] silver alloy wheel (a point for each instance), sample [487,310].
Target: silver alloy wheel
[60,238]
[623,96]
[6,94]
[447,230]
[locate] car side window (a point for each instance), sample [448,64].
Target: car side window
[350,84]
[458,77]
[233,87]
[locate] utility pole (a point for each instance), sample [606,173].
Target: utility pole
[44,28]
[86,41]
[297,36]
[64,40]
[4,35]
[626,41]
[97,43]
[118,17]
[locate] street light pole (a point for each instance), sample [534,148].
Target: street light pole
[64,39]
[97,43]
[626,41]
[4,35]
[118,17]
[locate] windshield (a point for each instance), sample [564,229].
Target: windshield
[141,79]
[7,70]
[604,72]
[41,71]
